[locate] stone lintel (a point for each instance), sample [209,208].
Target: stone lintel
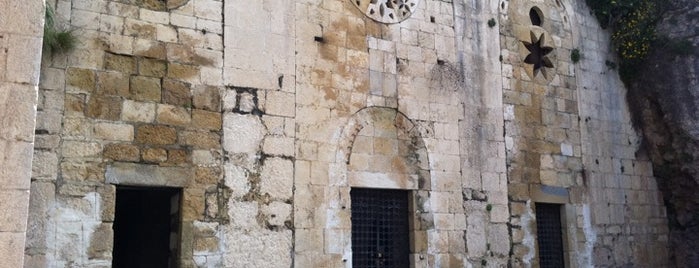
[148,175]
[549,194]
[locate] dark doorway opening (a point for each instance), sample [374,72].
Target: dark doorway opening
[549,234]
[380,228]
[146,227]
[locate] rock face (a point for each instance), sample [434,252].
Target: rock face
[665,98]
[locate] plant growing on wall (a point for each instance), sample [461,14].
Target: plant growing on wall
[632,23]
[56,40]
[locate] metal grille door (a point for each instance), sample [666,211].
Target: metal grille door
[380,236]
[549,235]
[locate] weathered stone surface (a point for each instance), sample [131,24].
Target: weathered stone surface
[101,242]
[15,200]
[176,93]
[173,115]
[121,63]
[113,83]
[276,178]
[151,67]
[156,135]
[207,98]
[104,107]
[207,175]
[154,155]
[81,149]
[114,132]
[148,175]
[242,133]
[206,120]
[145,88]
[121,152]
[201,140]
[81,79]
[138,111]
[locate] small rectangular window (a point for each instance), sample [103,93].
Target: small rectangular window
[380,223]
[549,233]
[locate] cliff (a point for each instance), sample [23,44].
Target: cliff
[664,98]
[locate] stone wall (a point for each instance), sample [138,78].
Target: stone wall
[21,30]
[570,141]
[267,113]
[137,102]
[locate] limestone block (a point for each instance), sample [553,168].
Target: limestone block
[111,24]
[52,78]
[149,48]
[176,93]
[190,37]
[166,33]
[193,205]
[242,133]
[152,67]
[176,157]
[121,63]
[211,26]
[476,235]
[77,128]
[208,9]
[104,107]
[207,98]
[121,9]
[78,79]
[172,115]
[154,16]
[181,20]
[308,240]
[16,20]
[144,88]
[183,72]
[206,120]
[149,175]
[17,115]
[236,178]
[82,171]
[117,43]
[45,164]
[114,132]
[46,141]
[23,62]
[154,155]
[281,146]
[277,213]
[107,199]
[138,111]
[41,197]
[121,152]
[12,247]
[204,157]
[14,202]
[276,178]
[272,249]
[113,83]
[81,149]
[207,175]
[101,242]
[156,135]
[200,139]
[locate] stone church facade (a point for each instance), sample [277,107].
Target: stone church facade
[321,133]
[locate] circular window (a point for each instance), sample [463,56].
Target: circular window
[535,16]
[387,11]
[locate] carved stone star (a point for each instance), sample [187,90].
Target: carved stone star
[537,54]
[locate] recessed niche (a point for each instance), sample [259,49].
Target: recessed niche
[536,17]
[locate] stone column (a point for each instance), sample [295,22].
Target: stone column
[21,31]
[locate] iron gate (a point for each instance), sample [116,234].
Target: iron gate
[380,237]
